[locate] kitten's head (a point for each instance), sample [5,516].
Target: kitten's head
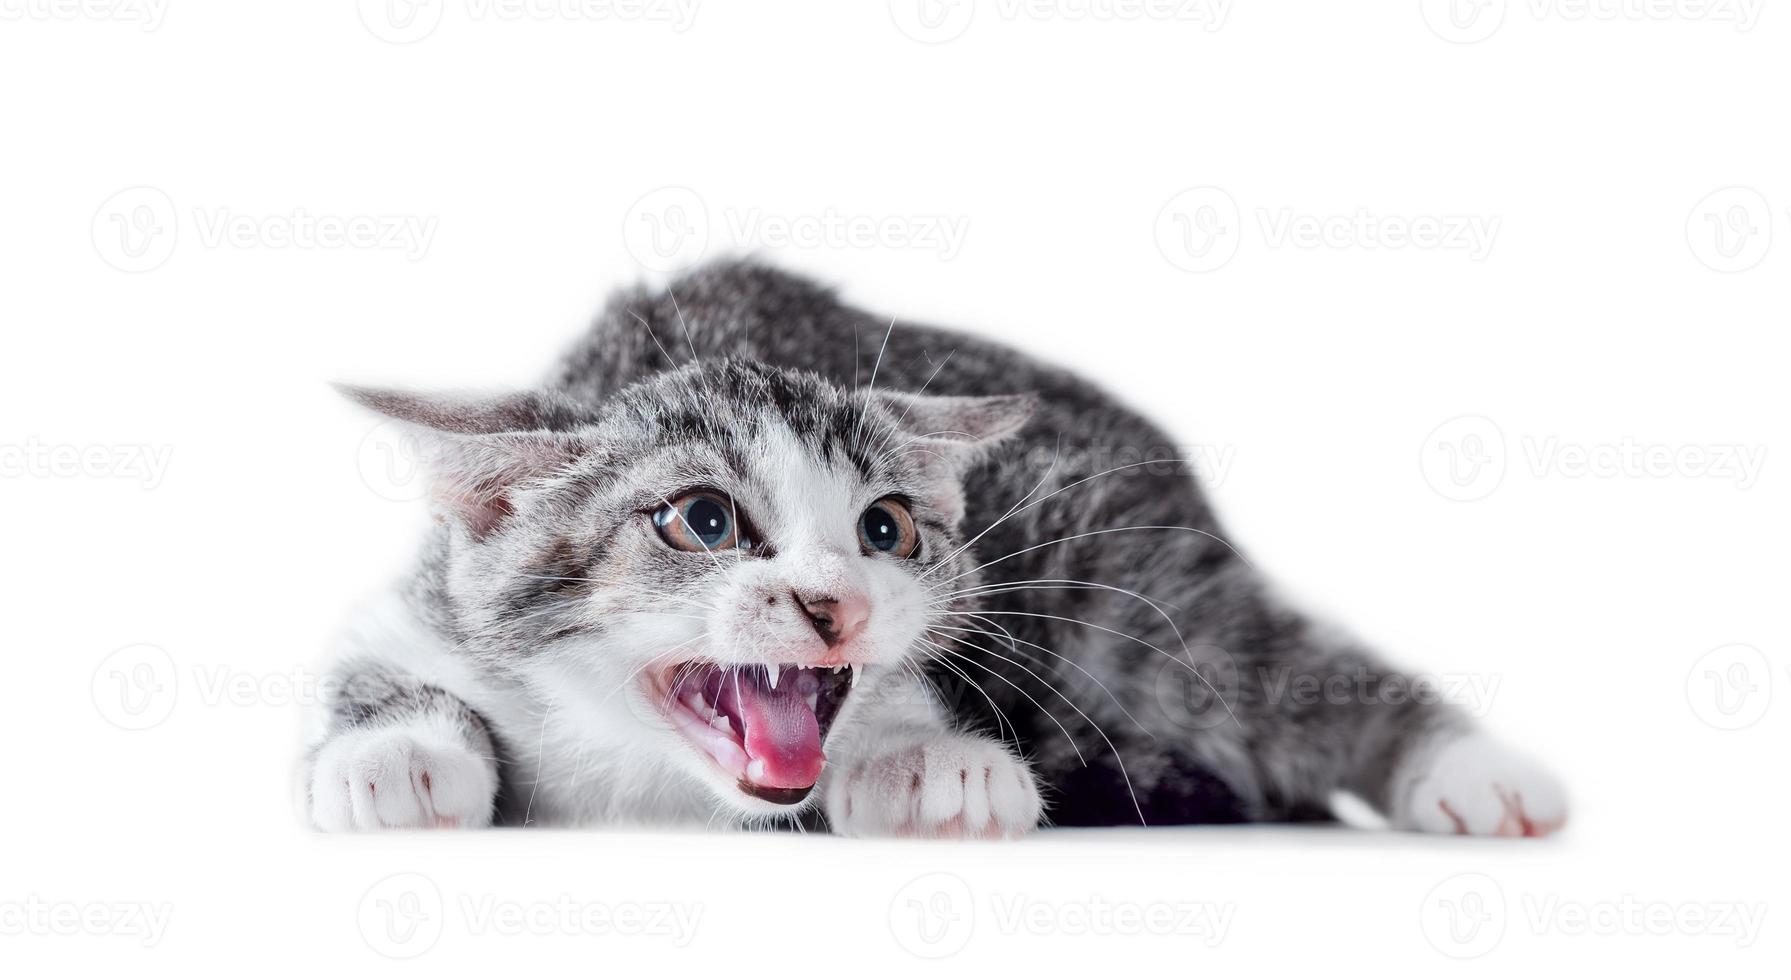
[707,562]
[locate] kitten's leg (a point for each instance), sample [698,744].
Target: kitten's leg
[1468,782]
[399,753]
[1396,743]
[900,770]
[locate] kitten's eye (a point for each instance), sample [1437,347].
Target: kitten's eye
[887,527]
[699,522]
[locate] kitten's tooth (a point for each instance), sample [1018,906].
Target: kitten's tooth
[771,672]
[852,674]
[720,723]
[755,770]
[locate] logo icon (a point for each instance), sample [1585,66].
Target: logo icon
[401,915]
[1199,229]
[1730,687]
[1463,21]
[932,21]
[1464,916]
[1464,458]
[135,229]
[401,21]
[667,229]
[933,916]
[135,687]
[390,461]
[1730,230]
[1197,696]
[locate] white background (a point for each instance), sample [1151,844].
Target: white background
[1128,184]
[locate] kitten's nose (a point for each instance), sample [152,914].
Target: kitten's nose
[836,618]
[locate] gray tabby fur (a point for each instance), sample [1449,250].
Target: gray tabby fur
[1135,667]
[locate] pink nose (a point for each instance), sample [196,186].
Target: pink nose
[836,618]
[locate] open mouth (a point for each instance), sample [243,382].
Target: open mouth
[763,724]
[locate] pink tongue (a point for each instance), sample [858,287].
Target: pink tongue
[783,741]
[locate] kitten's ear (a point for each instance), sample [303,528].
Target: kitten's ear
[479,447]
[960,426]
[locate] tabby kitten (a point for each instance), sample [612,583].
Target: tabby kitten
[751,556]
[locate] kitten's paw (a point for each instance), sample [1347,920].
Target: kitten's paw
[386,778]
[1475,785]
[952,786]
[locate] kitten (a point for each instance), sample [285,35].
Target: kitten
[749,556]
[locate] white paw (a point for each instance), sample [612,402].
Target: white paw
[406,777]
[952,786]
[1475,785]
